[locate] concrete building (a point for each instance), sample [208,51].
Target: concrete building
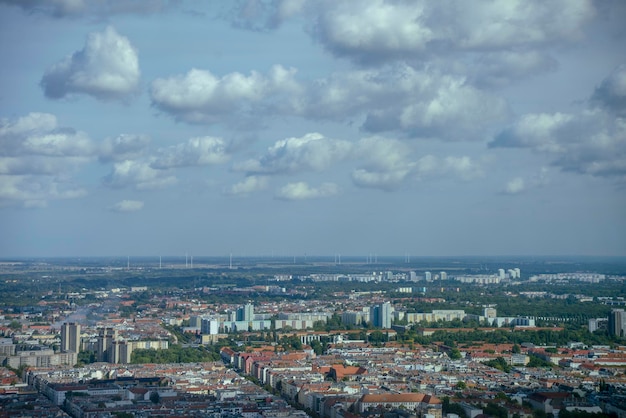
[380,315]
[617,322]
[210,326]
[106,336]
[70,337]
[246,312]
[597,323]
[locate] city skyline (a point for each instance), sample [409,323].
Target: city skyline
[296,127]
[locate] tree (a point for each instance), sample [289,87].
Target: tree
[455,354]
[516,349]
[155,397]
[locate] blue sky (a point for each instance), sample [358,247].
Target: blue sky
[319,127]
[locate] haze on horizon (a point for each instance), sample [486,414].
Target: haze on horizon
[312,127]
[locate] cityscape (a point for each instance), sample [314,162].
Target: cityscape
[313,208]
[256,337]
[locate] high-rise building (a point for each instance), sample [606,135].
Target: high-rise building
[120,352]
[380,315]
[617,322]
[428,276]
[443,275]
[246,312]
[210,326]
[106,336]
[70,337]
[501,273]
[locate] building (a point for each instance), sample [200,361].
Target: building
[419,402]
[210,326]
[598,323]
[443,275]
[106,336]
[380,315]
[617,323]
[121,352]
[246,312]
[70,337]
[428,276]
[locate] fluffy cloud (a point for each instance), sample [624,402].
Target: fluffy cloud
[301,191]
[387,164]
[311,152]
[37,134]
[127,206]
[34,191]
[392,98]
[37,158]
[138,174]
[592,142]
[373,30]
[32,123]
[201,97]
[195,152]
[380,30]
[402,99]
[611,93]
[106,68]
[542,131]
[123,147]
[248,185]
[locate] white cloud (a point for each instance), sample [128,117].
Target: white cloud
[311,152]
[248,185]
[387,164]
[106,68]
[540,131]
[34,191]
[33,123]
[591,142]
[457,112]
[380,30]
[138,174]
[123,147]
[201,97]
[37,158]
[373,30]
[301,191]
[515,186]
[206,150]
[127,206]
[399,98]
[37,135]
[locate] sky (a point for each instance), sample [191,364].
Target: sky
[292,127]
